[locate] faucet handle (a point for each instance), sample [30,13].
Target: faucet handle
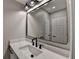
[40,46]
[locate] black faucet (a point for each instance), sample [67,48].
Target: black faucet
[35,41]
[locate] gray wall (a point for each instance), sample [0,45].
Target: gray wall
[71,13]
[73,29]
[14,22]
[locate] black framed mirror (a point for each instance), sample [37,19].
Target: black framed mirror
[50,23]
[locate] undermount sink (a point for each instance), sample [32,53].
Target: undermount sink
[30,51]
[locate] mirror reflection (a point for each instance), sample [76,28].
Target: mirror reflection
[49,22]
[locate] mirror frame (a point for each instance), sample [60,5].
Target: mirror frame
[69,29]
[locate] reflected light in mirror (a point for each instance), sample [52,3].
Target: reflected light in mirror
[53,7]
[26,8]
[32,3]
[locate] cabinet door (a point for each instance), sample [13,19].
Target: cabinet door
[13,56]
[59,26]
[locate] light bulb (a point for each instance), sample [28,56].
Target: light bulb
[26,8]
[32,3]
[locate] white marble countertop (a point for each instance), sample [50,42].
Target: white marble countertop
[16,43]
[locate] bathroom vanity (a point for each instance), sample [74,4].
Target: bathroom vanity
[24,49]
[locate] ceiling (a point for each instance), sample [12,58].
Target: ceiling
[59,4]
[54,5]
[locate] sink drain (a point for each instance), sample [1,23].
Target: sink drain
[32,55]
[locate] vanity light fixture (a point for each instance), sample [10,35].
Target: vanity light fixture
[26,7]
[32,3]
[39,0]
